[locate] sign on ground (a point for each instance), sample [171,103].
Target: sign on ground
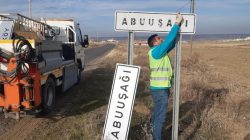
[152,22]
[121,102]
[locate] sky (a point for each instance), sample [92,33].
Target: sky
[96,17]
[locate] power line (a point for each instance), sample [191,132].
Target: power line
[184,5]
[192,8]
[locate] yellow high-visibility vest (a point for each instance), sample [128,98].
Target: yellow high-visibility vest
[161,71]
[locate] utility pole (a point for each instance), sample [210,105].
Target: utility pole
[30,12]
[191,36]
[97,36]
[192,6]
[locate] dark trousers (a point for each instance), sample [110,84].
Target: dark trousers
[160,99]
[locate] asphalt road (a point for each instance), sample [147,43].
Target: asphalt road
[92,54]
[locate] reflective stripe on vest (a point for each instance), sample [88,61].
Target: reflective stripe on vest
[160,78]
[161,71]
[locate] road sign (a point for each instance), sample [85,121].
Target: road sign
[6,27]
[152,22]
[121,102]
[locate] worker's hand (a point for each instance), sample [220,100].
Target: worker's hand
[179,19]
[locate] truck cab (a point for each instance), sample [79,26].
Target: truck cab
[69,32]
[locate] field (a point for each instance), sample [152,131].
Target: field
[215,98]
[215,95]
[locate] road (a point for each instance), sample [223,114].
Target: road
[95,53]
[12,129]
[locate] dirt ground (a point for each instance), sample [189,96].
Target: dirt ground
[80,112]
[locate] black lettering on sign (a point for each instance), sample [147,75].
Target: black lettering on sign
[169,23]
[160,22]
[122,105]
[125,78]
[142,21]
[117,124]
[186,23]
[124,21]
[6,29]
[127,71]
[124,88]
[5,34]
[115,134]
[119,113]
[123,96]
[151,22]
[133,21]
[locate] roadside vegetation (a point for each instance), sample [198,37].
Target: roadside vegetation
[214,104]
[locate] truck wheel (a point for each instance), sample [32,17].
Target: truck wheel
[79,76]
[48,95]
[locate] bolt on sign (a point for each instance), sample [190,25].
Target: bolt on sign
[121,102]
[152,22]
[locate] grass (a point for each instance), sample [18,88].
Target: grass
[212,107]
[206,96]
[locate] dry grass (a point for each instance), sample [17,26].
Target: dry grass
[213,106]
[217,102]
[215,97]
[200,93]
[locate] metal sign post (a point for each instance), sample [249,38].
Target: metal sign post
[176,94]
[130,47]
[161,23]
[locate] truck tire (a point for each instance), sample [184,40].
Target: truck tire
[1,109]
[79,76]
[48,96]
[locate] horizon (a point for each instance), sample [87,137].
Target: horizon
[162,34]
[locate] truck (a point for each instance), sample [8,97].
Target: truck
[37,58]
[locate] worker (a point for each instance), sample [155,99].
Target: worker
[161,74]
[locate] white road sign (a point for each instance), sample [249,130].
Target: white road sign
[121,102]
[6,27]
[152,22]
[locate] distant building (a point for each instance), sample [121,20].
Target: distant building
[112,40]
[140,43]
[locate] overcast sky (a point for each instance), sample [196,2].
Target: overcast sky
[97,16]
